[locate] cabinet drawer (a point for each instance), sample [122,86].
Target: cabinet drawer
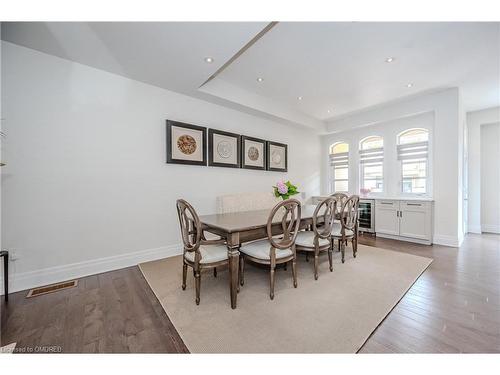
[387,203]
[414,206]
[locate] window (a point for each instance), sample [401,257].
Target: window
[413,146]
[339,163]
[371,163]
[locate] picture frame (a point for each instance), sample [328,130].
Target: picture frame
[277,157]
[253,153]
[186,143]
[224,149]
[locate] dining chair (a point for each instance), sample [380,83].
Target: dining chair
[340,198]
[199,253]
[319,239]
[347,227]
[279,247]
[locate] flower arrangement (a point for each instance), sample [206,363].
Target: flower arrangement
[285,190]
[365,191]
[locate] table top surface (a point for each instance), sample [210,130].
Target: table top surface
[247,220]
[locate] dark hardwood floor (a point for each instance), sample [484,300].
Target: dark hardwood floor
[454,307]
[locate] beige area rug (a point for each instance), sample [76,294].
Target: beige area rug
[335,314]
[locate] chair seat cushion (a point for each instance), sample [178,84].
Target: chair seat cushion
[209,254]
[337,230]
[306,239]
[260,250]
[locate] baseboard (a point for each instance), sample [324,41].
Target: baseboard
[447,240]
[474,229]
[406,239]
[490,228]
[32,279]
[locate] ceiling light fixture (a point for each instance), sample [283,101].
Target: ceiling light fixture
[390,59]
[328,111]
[209,60]
[260,79]
[299,97]
[409,85]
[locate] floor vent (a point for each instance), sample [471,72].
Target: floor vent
[51,288]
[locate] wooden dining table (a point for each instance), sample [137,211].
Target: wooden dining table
[240,227]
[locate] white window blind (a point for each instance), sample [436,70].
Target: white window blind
[417,150]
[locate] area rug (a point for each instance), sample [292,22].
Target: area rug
[334,314]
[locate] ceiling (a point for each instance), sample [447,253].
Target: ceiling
[335,67]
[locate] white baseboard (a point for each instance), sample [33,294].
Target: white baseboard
[446,240]
[406,239]
[32,279]
[490,228]
[474,229]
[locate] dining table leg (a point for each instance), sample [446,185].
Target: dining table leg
[233,253]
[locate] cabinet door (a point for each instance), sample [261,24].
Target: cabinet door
[386,217]
[416,220]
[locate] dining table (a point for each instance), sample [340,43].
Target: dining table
[245,226]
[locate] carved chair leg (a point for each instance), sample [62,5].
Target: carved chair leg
[271,282]
[215,271]
[330,258]
[197,280]
[242,269]
[294,272]
[184,275]
[342,250]
[339,242]
[354,246]
[316,261]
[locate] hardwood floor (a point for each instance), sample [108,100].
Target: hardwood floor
[454,307]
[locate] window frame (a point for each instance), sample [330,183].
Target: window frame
[363,165]
[333,180]
[427,160]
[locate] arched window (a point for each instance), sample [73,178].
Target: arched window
[413,150]
[371,163]
[339,164]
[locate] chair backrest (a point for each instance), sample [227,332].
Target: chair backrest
[323,218]
[340,198]
[349,213]
[246,202]
[287,213]
[190,226]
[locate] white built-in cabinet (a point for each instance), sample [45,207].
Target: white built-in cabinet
[409,220]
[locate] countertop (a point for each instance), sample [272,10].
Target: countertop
[381,198]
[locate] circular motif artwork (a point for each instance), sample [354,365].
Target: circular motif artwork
[276,157]
[186,144]
[253,153]
[224,149]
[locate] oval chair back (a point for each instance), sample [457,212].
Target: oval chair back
[286,213]
[323,218]
[340,198]
[190,226]
[349,213]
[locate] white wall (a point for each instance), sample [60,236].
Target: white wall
[86,187]
[490,178]
[447,160]
[475,120]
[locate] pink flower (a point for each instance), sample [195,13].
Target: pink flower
[282,188]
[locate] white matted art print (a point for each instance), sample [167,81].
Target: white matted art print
[186,143]
[277,156]
[223,149]
[254,153]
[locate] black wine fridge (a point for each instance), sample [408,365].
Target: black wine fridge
[366,215]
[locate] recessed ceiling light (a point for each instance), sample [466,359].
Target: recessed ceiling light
[328,111]
[260,79]
[390,59]
[409,85]
[299,97]
[209,60]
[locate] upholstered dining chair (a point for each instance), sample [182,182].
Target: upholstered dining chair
[319,239]
[279,247]
[340,198]
[199,253]
[347,227]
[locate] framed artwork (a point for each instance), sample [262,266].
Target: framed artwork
[224,149]
[253,153]
[277,157]
[186,143]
